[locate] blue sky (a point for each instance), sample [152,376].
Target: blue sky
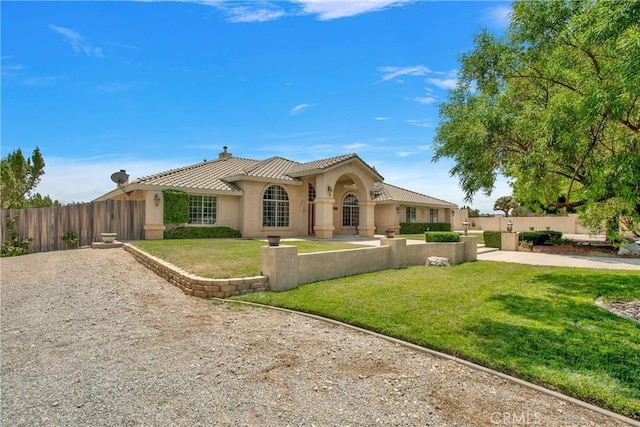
[149,86]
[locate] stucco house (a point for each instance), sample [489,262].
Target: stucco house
[326,197]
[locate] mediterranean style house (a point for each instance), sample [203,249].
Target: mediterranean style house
[277,196]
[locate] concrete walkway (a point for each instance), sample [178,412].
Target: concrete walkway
[534,258]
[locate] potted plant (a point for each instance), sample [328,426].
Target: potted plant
[71,239]
[273,240]
[108,237]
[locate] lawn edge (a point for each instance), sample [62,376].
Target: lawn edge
[435,353]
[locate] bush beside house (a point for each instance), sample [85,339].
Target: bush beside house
[441,236]
[421,227]
[202,233]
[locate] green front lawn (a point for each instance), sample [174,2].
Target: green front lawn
[224,258]
[537,323]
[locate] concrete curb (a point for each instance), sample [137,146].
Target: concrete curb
[445,356]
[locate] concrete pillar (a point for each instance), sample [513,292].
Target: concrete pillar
[154,215]
[470,248]
[398,251]
[280,264]
[509,241]
[324,218]
[367,219]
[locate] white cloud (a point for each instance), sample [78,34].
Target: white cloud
[11,68]
[82,180]
[449,83]
[426,100]
[355,146]
[300,108]
[248,14]
[334,9]
[381,119]
[405,153]
[391,73]
[77,42]
[421,123]
[39,81]
[498,16]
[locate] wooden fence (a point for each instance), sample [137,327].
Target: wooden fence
[47,225]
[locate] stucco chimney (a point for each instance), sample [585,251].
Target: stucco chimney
[224,154]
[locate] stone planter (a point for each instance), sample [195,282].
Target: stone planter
[390,234]
[108,237]
[273,240]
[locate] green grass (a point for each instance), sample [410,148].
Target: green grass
[224,258]
[536,323]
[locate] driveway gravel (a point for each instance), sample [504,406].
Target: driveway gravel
[92,338]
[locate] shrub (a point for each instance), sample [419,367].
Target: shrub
[71,238]
[15,245]
[176,207]
[493,239]
[539,237]
[421,227]
[202,233]
[441,236]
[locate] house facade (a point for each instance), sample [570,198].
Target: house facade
[333,196]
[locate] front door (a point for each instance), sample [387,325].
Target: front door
[311,220]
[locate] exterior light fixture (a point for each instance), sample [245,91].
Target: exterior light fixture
[156,199]
[329,189]
[466,226]
[509,226]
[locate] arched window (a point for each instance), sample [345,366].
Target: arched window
[350,211]
[275,207]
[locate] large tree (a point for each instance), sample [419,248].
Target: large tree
[18,177]
[505,204]
[554,105]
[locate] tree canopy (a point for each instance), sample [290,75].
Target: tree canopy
[18,177]
[504,204]
[554,106]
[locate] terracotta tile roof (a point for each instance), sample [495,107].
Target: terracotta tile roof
[207,175]
[308,168]
[391,193]
[275,168]
[220,174]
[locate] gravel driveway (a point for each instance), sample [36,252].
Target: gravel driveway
[91,338]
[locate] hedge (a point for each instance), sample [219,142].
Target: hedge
[493,239]
[441,236]
[202,233]
[539,237]
[421,227]
[176,207]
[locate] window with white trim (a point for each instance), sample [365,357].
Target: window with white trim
[275,207]
[433,215]
[202,209]
[350,211]
[411,214]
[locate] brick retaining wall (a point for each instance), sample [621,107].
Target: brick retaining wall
[197,286]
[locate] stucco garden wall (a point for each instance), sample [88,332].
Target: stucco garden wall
[287,269]
[567,224]
[328,265]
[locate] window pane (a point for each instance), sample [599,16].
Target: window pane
[275,207]
[350,211]
[202,209]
